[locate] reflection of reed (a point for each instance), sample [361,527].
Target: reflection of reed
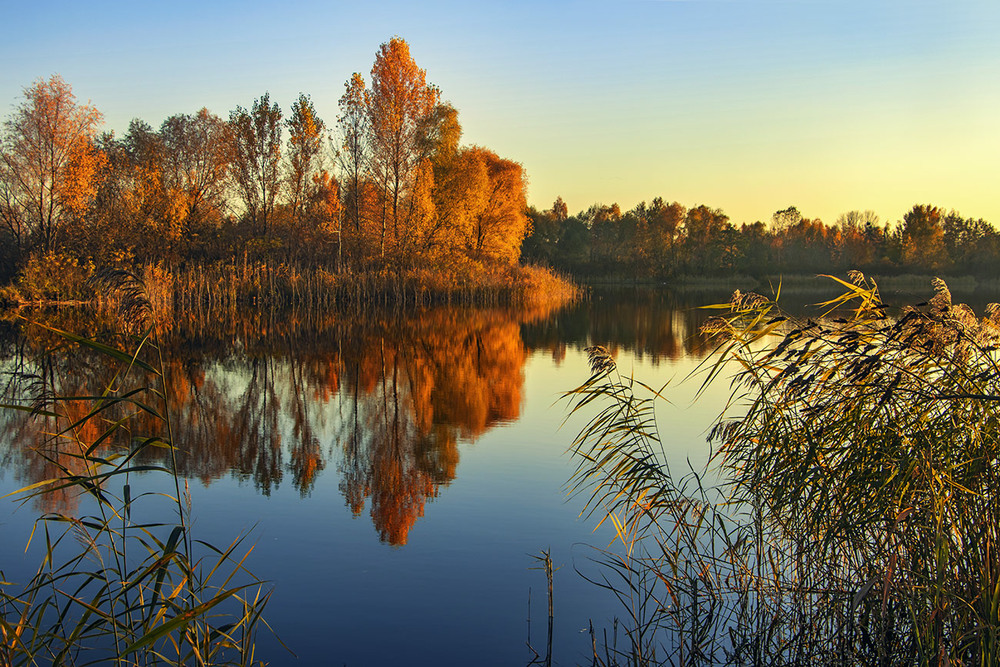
[279,395]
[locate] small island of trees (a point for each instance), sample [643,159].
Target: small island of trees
[266,206]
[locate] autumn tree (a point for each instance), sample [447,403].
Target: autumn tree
[257,158]
[498,219]
[457,184]
[321,218]
[808,244]
[440,135]
[352,158]
[410,192]
[703,237]
[858,247]
[559,209]
[658,226]
[398,105]
[307,132]
[131,214]
[49,166]
[923,237]
[197,153]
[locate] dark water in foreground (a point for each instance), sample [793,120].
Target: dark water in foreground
[395,475]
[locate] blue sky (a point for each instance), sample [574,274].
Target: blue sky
[746,105]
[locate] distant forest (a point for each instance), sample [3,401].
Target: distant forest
[660,241]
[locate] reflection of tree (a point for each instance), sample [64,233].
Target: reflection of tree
[257,438]
[36,448]
[648,322]
[416,390]
[270,396]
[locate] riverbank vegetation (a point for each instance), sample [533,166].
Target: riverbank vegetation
[384,205]
[854,520]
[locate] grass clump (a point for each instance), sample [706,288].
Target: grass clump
[124,582]
[856,522]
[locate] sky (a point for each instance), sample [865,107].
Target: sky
[750,106]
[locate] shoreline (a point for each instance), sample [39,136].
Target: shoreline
[818,283]
[236,284]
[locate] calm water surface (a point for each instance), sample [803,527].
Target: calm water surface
[395,475]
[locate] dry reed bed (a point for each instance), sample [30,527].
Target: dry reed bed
[856,522]
[221,289]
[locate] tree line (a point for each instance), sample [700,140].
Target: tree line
[660,240]
[386,185]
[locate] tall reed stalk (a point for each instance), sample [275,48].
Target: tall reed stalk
[126,583]
[857,522]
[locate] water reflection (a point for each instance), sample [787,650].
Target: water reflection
[274,398]
[649,323]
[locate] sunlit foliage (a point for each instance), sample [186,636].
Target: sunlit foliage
[393,192]
[50,168]
[412,193]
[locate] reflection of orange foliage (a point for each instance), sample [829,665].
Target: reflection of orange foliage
[253,398]
[51,447]
[479,378]
[424,382]
[29,436]
[306,464]
[399,494]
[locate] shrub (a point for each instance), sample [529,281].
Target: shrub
[55,277]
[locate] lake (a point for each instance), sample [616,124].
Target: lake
[396,475]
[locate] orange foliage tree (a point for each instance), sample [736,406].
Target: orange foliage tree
[197,154]
[307,132]
[498,220]
[411,194]
[923,237]
[49,167]
[399,104]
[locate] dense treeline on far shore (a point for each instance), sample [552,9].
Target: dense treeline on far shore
[383,206]
[664,241]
